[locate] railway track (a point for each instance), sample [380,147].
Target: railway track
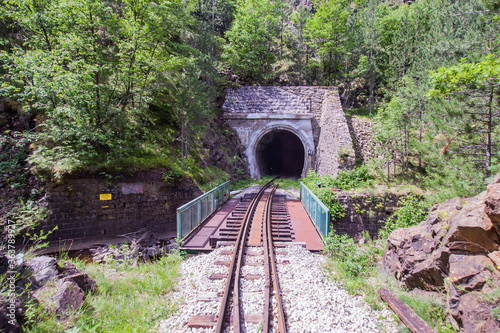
[255,225]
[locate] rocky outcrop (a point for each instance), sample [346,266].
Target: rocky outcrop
[41,270]
[456,248]
[58,286]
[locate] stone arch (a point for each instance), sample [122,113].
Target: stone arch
[256,140]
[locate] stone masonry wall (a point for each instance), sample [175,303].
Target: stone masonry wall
[365,212]
[335,150]
[330,131]
[363,132]
[138,201]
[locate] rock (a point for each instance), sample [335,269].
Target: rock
[471,230]
[67,298]
[10,315]
[458,246]
[495,257]
[153,251]
[492,205]
[407,257]
[430,273]
[471,271]
[42,269]
[68,269]
[84,282]
[475,315]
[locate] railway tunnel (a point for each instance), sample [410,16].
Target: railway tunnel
[280,153]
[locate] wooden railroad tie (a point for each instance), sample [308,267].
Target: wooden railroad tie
[404,312]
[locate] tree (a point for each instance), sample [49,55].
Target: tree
[252,46]
[91,69]
[328,32]
[476,87]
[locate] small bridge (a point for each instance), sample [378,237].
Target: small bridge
[289,130]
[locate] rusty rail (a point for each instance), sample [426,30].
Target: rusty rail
[235,268]
[270,261]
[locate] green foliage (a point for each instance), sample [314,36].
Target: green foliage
[353,178]
[244,183]
[431,310]
[346,179]
[411,212]
[173,176]
[330,200]
[353,260]
[495,312]
[107,81]
[27,216]
[475,87]
[250,51]
[130,299]
[290,183]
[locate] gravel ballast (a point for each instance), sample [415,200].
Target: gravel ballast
[312,302]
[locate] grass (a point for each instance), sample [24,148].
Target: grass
[244,183]
[290,183]
[129,299]
[361,112]
[357,267]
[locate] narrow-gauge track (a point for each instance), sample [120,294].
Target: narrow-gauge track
[233,279]
[265,218]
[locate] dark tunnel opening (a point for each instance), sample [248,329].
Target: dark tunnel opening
[280,153]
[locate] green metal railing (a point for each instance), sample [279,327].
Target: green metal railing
[317,211]
[197,210]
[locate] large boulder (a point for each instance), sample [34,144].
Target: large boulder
[41,270]
[492,204]
[457,247]
[411,254]
[83,281]
[4,263]
[471,230]
[67,298]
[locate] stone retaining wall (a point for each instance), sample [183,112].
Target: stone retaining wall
[314,114]
[365,212]
[92,207]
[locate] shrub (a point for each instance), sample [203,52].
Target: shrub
[411,212]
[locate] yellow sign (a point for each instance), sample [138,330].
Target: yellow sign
[105,196]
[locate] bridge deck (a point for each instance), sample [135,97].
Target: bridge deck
[303,227]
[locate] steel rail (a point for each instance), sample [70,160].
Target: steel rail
[235,267]
[272,260]
[267,266]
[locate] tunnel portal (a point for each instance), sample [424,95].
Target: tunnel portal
[280,153]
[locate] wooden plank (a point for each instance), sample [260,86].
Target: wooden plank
[217,276]
[252,277]
[404,312]
[254,263]
[208,296]
[222,263]
[202,321]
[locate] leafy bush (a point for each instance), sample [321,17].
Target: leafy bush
[352,261]
[329,198]
[173,176]
[27,216]
[353,178]
[411,212]
[346,179]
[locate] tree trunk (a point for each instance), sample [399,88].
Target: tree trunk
[488,134]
